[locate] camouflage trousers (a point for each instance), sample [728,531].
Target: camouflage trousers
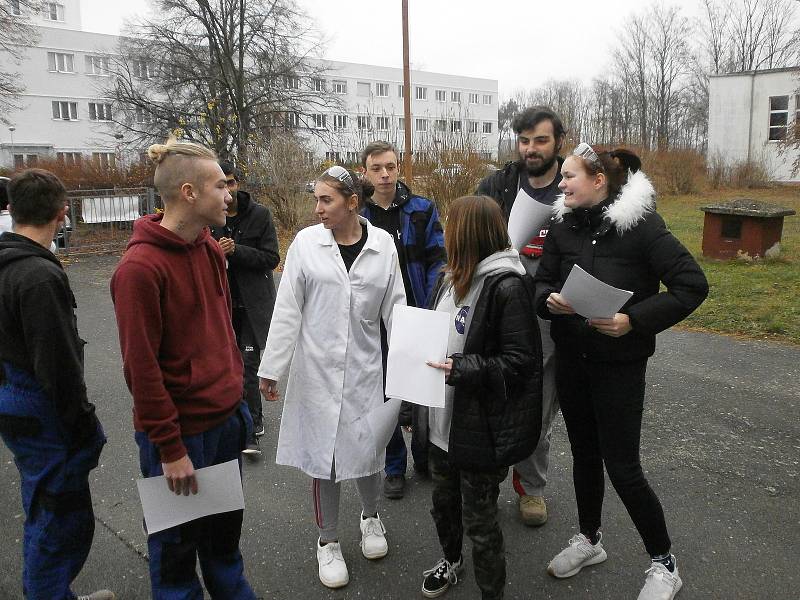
[470,495]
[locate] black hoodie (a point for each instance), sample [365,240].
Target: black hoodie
[38,329]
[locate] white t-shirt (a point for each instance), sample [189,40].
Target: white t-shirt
[5,221]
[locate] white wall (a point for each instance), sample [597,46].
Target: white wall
[738,125]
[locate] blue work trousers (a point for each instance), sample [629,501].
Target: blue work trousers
[214,540]
[54,478]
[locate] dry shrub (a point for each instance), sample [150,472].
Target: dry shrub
[91,175]
[717,171]
[674,171]
[750,174]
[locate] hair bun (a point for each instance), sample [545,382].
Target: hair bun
[627,159]
[157,152]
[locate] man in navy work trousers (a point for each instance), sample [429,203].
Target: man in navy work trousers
[46,419]
[413,222]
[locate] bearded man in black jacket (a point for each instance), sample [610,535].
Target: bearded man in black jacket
[250,244]
[46,419]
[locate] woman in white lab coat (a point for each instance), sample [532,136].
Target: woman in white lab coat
[341,278]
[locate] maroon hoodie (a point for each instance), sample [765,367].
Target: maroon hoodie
[179,351]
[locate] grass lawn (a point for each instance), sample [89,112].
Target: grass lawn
[759,299]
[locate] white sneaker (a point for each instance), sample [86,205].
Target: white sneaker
[580,553]
[373,537]
[660,583]
[332,568]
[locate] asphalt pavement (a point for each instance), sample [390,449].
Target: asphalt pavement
[720,445]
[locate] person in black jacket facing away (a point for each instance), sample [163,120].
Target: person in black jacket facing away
[493,406]
[46,419]
[250,244]
[606,223]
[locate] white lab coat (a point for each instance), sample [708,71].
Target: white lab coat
[331,319]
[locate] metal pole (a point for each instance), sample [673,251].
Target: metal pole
[13,164]
[407,166]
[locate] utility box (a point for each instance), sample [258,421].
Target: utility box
[742,225]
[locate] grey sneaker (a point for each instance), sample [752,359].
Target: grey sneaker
[660,583]
[252,450]
[99,595]
[580,553]
[441,577]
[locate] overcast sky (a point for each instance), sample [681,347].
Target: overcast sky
[521,43]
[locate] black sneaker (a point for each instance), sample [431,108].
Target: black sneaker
[441,577]
[394,486]
[259,430]
[252,450]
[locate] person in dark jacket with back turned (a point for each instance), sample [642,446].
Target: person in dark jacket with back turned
[46,419]
[607,224]
[493,404]
[250,244]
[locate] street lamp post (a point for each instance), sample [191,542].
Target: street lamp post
[12,129]
[118,155]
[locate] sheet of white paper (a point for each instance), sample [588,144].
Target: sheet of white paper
[219,490]
[382,421]
[527,219]
[417,335]
[590,297]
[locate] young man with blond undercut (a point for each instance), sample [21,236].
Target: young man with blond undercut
[183,367]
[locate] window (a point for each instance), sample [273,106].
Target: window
[797,117]
[339,86]
[401,123]
[340,122]
[455,126]
[473,126]
[487,98]
[141,69]
[61,62]
[440,125]
[382,123]
[142,116]
[363,89]
[32,159]
[104,159]
[99,111]
[291,82]
[67,111]
[53,11]
[421,93]
[455,96]
[731,227]
[363,122]
[332,156]
[352,157]
[19,161]
[441,96]
[778,117]
[69,158]
[400,91]
[15,10]
[473,98]
[291,120]
[421,124]
[317,84]
[487,128]
[319,121]
[382,90]
[97,65]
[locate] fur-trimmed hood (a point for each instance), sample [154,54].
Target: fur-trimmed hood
[636,198]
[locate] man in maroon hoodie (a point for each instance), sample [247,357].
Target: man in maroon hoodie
[183,367]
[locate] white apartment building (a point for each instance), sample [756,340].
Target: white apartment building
[63,114]
[749,116]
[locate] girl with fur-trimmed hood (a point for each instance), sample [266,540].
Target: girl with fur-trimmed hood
[606,223]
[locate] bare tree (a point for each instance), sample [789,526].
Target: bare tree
[632,59]
[222,72]
[16,34]
[764,33]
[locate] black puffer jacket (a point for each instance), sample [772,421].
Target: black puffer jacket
[626,244]
[497,407]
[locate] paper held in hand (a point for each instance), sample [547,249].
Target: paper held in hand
[528,217]
[417,335]
[219,490]
[590,297]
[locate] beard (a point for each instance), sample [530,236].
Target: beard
[541,169]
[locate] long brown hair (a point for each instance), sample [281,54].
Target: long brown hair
[475,229]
